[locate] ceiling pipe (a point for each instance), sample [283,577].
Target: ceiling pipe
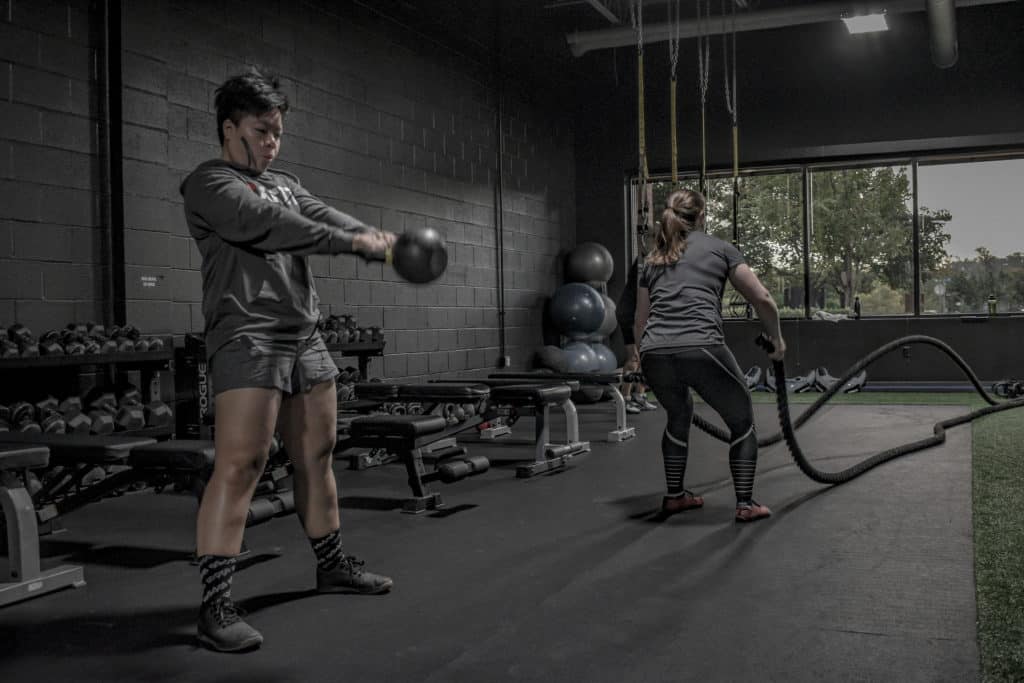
[581,42]
[942,29]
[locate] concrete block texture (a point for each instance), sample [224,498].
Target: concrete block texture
[391,130]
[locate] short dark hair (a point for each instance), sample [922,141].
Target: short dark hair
[253,92]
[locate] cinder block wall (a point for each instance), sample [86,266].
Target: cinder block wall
[51,270]
[394,129]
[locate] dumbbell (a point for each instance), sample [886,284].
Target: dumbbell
[456,469]
[75,421]
[130,414]
[22,417]
[49,417]
[49,344]
[24,339]
[102,407]
[8,349]
[158,414]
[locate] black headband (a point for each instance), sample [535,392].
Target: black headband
[685,216]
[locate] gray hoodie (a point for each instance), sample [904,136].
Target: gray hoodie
[254,231]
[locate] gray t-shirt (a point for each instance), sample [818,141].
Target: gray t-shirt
[686,296]
[254,231]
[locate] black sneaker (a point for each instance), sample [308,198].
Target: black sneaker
[221,628]
[349,577]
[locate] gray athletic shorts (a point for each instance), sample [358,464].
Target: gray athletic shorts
[290,366]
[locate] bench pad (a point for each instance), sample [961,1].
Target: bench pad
[178,454]
[538,394]
[85,449]
[398,426]
[19,457]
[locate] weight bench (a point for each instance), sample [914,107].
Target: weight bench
[430,399]
[188,464]
[79,454]
[537,398]
[607,380]
[408,436]
[25,579]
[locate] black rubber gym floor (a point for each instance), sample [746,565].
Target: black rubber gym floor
[564,577]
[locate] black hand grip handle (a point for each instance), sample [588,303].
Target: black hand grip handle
[765,342]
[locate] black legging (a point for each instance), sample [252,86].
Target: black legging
[713,373]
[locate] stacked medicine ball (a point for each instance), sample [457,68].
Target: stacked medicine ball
[582,314]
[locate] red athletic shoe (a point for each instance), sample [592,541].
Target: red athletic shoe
[750,511]
[670,505]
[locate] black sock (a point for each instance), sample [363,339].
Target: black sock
[216,572]
[674,452]
[328,550]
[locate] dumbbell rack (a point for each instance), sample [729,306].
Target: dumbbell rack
[362,351]
[92,370]
[193,402]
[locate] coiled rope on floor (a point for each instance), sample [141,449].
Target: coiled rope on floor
[789,426]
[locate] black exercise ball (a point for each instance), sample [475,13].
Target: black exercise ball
[589,262]
[579,357]
[419,255]
[577,309]
[610,321]
[605,358]
[551,358]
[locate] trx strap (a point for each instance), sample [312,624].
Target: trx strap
[703,70]
[636,12]
[732,107]
[673,55]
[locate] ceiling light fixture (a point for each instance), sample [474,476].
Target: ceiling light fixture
[866,23]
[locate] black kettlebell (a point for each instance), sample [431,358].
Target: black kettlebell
[419,255]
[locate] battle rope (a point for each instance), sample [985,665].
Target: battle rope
[790,426]
[939,429]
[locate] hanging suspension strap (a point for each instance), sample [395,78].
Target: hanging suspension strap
[703,70]
[673,55]
[731,106]
[636,12]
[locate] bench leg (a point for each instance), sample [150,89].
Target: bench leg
[548,456]
[622,431]
[422,499]
[26,578]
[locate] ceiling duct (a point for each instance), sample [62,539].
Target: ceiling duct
[942,23]
[942,32]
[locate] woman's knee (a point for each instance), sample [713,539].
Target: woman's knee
[241,465]
[315,455]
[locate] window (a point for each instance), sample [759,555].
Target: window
[970,253]
[862,240]
[769,231]
[972,245]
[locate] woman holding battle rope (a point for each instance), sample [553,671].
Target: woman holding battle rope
[682,345]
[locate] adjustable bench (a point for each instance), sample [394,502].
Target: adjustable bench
[606,380]
[24,578]
[409,436]
[78,454]
[424,399]
[537,398]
